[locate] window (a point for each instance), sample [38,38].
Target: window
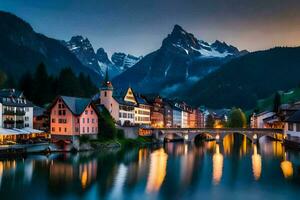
[83,129]
[93,129]
[93,120]
[65,129]
[77,120]
[291,127]
[53,129]
[76,129]
[27,109]
[53,120]
[88,120]
[59,129]
[83,120]
[298,127]
[88,129]
[105,93]
[92,112]
[26,118]
[86,112]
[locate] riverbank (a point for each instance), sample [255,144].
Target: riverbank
[84,145]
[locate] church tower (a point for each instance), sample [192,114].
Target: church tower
[106,96]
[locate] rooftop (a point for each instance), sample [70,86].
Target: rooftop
[76,104]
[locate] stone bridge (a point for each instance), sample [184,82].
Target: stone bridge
[189,134]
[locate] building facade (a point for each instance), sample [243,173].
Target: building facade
[71,117]
[292,126]
[16,118]
[126,109]
[16,111]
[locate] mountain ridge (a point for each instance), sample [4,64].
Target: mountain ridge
[181,60]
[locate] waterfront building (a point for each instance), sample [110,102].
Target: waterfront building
[157,112]
[292,126]
[16,111]
[126,109]
[16,117]
[257,120]
[71,117]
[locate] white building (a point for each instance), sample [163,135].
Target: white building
[16,117]
[184,119]
[16,111]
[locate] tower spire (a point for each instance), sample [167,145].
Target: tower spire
[106,85]
[106,78]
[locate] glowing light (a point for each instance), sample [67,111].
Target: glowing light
[186,137]
[255,137]
[217,137]
[217,166]
[256,164]
[1,172]
[287,169]
[84,178]
[157,173]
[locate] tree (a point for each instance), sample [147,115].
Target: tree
[210,121]
[276,103]
[237,118]
[26,85]
[107,128]
[68,84]
[41,86]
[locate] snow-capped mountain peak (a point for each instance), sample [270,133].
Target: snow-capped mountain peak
[98,61]
[181,41]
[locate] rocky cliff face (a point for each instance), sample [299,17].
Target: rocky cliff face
[181,60]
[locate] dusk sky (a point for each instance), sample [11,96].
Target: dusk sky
[139,26]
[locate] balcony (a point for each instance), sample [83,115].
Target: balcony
[9,121]
[9,112]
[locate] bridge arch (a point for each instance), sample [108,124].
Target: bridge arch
[248,136]
[202,135]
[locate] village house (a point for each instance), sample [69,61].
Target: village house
[71,117]
[259,120]
[292,126]
[16,117]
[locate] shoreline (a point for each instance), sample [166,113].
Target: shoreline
[89,146]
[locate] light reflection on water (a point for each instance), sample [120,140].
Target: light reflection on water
[234,167]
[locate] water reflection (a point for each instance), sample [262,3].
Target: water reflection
[157,173]
[256,163]
[217,165]
[287,168]
[170,171]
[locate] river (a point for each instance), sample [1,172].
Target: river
[232,169]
